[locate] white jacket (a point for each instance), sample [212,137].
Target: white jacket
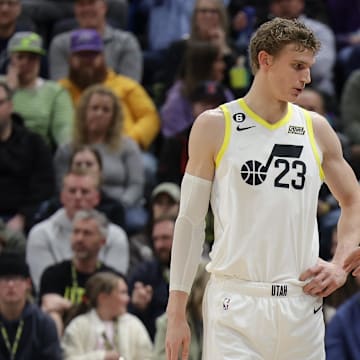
[81,336]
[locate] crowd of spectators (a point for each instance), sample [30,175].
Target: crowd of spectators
[97,99]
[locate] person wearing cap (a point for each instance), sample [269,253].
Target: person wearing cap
[122,50]
[27,176]
[88,66]
[12,19]
[165,199]
[45,105]
[26,331]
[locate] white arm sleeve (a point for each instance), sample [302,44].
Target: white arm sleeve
[189,233]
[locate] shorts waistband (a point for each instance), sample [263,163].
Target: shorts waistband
[254,288]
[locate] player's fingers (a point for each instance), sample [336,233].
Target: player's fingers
[352,261]
[310,273]
[185,350]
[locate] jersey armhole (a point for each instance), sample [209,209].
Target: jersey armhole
[226,139]
[313,143]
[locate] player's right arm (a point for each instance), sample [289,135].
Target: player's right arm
[205,141]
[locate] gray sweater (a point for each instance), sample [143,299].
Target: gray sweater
[122,174]
[49,243]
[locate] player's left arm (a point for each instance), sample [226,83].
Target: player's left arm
[326,277]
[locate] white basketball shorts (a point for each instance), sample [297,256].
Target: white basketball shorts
[261,321]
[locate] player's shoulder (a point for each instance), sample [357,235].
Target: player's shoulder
[213,118]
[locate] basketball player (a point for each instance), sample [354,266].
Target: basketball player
[260,161]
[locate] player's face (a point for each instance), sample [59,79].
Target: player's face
[90,13]
[289,72]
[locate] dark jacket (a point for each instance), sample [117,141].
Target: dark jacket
[154,274]
[39,339]
[26,172]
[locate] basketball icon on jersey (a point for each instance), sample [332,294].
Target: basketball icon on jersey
[254,172]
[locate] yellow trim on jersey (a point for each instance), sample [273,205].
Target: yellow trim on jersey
[263,122]
[226,140]
[313,143]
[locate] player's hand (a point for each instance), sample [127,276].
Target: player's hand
[352,262]
[324,278]
[141,295]
[54,302]
[177,338]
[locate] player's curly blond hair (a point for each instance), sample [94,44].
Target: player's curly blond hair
[273,35]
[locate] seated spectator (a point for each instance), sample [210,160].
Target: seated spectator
[149,281]
[87,66]
[121,48]
[164,201]
[11,240]
[12,20]
[27,333]
[194,318]
[49,241]
[350,116]
[102,328]
[209,23]
[45,105]
[99,123]
[344,19]
[174,149]
[26,170]
[341,336]
[62,284]
[322,71]
[203,62]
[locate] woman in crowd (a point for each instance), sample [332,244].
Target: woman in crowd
[203,61]
[98,123]
[102,328]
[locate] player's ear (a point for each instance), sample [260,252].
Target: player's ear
[265,59]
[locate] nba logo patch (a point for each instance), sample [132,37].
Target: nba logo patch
[226,303]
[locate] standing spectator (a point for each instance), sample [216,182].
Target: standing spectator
[87,66]
[99,123]
[26,170]
[102,328]
[27,333]
[121,49]
[149,281]
[49,241]
[62,284]
[11,21]
[45,105]
[322,70]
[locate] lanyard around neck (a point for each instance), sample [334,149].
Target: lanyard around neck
[74,278]
[114,344]
[14,348]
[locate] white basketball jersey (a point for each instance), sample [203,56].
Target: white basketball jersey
[264,196]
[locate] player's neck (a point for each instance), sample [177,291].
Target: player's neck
[261,102]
